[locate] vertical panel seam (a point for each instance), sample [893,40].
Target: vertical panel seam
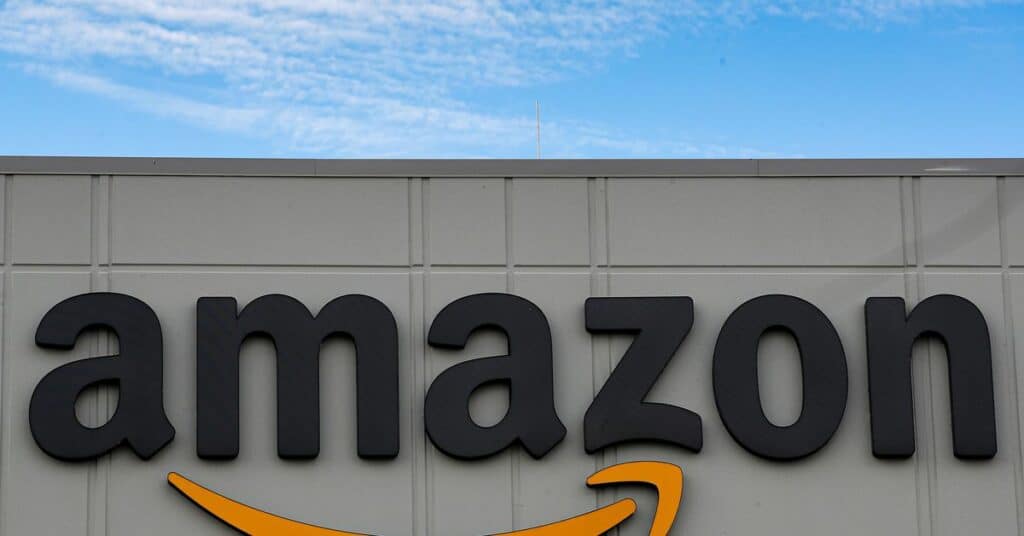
[1010,344]
[911,226]
[591,233]
[428,477]
[925,465]
[99,471]
[610,455]
[515,453]
[4,302]
[607,224]
[93,223]
[92,476]
[110,220]
[416,355]
[907,228]
[8,185]
[592,242]
[107,229]
[592,256]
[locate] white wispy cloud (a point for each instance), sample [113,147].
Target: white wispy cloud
[377,77]
[214,116]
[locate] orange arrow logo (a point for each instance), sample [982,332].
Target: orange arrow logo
[665,477]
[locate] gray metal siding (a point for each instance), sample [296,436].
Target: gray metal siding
[556,237]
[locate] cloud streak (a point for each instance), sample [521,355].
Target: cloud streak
[372,77]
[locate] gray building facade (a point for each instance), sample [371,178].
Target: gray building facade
[417,235]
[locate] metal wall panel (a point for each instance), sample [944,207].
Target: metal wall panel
[959,222]
[755,222]
[50,219]
[550,222]
[259,221]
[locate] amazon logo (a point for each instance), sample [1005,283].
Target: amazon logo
[667,480]
[618,414]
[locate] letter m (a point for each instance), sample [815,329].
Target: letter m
[297,336]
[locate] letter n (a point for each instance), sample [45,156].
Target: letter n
[891,333]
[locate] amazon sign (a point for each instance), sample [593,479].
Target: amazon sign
[618,415]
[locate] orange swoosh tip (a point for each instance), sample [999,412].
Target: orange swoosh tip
[667,478]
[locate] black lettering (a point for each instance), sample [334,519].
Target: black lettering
[890,338]
[619,413]
[823,364]
[139,420]
[297,337]
[526,370]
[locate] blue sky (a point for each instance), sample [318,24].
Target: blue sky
[459,78]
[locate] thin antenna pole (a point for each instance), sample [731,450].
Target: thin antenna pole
[538,129]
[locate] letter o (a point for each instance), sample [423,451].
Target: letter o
[823,365]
